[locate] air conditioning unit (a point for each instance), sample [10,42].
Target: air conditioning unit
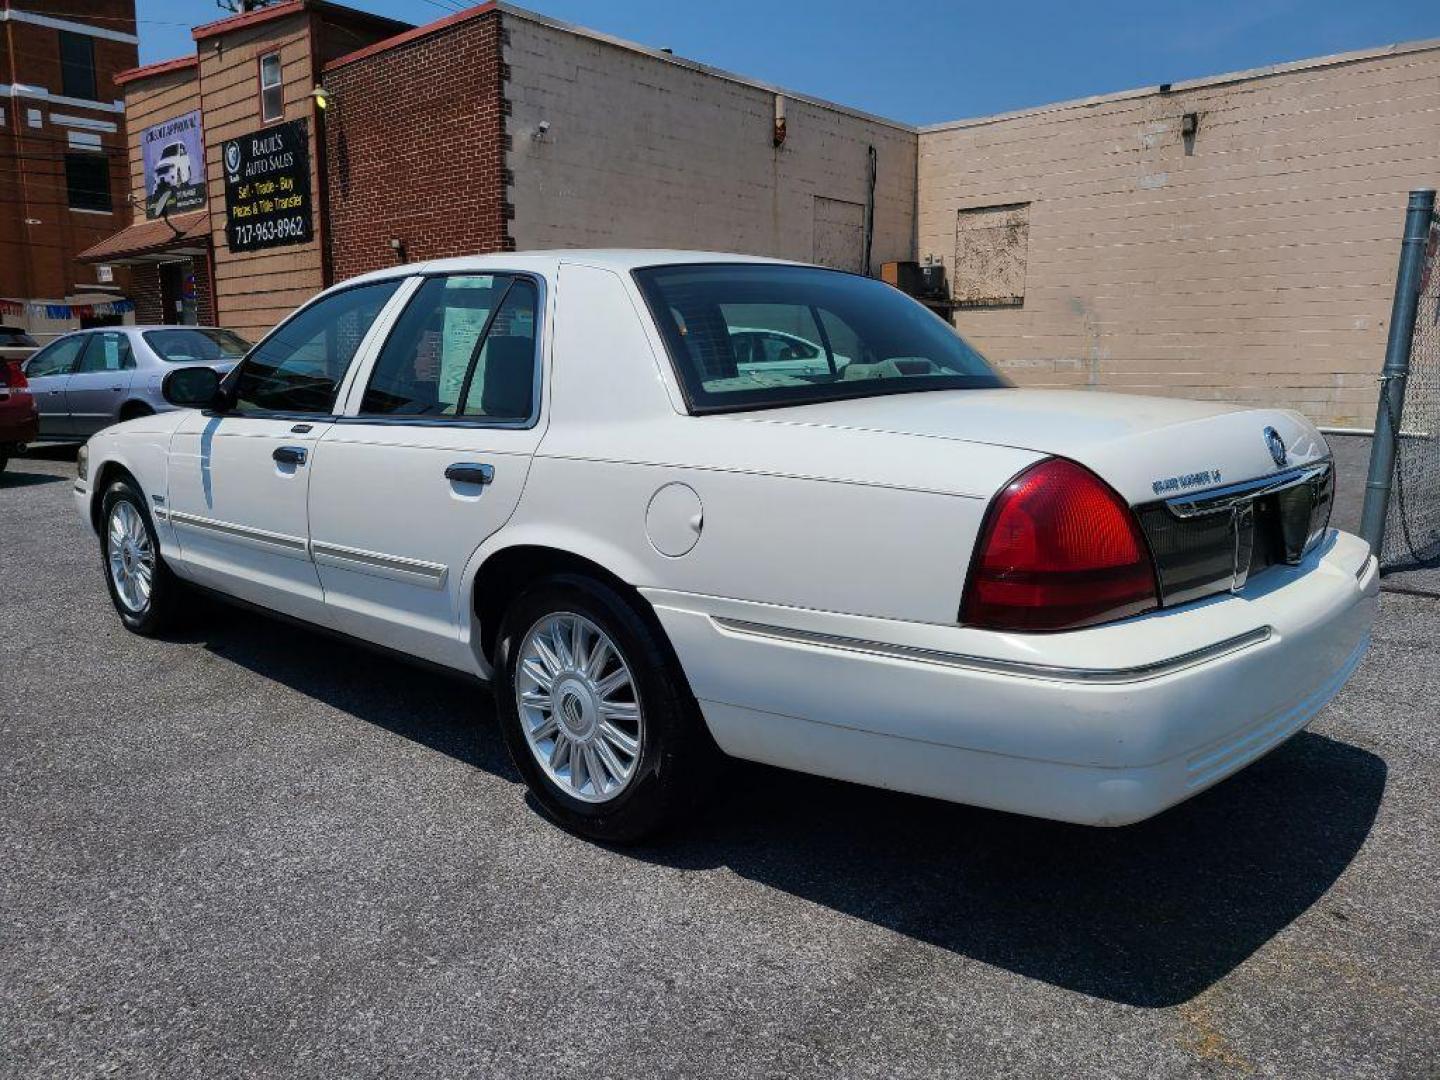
[924,282]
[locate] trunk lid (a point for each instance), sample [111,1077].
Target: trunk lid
[1147,448]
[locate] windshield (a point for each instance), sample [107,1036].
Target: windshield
[746,335]
[189,345]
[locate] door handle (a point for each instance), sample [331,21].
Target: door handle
[469,472]
[289,455]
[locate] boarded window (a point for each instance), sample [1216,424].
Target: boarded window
[840,234]
[990,248]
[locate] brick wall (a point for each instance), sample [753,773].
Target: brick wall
[414,143]
[1253,261]
[39,232]
[145,291]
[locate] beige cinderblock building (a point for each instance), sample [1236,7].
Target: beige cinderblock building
[1234,237]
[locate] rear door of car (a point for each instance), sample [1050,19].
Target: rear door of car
[101,382]
[428,459]
[48,372]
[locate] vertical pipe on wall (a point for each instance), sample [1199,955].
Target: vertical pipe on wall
[869,207]
[1397,366]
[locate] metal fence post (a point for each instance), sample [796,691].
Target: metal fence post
[1397,366]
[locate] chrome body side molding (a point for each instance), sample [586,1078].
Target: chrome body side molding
[1137,673]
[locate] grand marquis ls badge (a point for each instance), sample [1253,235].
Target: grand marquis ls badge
[1276,445]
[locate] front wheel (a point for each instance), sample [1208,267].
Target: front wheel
[596,712]
[144,592]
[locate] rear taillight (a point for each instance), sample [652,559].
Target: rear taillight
[11,377]
[1058,549]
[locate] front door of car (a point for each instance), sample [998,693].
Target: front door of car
[428,461]
[100,383]
[239,480]
[47,372]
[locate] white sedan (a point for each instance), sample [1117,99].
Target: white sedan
[555,473]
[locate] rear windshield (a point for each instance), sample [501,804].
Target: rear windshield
[190,344]
[745,336]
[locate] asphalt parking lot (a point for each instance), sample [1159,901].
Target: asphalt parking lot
[254,850]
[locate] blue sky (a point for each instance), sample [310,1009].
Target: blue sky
[924,63]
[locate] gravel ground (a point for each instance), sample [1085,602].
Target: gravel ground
[251,850]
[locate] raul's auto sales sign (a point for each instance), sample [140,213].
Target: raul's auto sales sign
[267,187]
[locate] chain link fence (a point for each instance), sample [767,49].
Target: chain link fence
[1412,520]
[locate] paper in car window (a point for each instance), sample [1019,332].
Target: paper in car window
[473,281]
[112,354]
[463,326]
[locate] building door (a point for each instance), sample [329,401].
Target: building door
[177,292]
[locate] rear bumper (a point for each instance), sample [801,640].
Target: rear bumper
[1102,726]
[18,424]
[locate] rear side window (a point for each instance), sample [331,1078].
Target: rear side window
[196,345]
[755,335]
[106,352]
[298,368]
[465,346]
[56,359]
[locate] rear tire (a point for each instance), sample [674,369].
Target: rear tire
[145,593]
[617,705]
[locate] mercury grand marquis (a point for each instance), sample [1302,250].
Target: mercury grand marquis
[557,474]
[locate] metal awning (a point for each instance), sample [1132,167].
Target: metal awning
[157,241]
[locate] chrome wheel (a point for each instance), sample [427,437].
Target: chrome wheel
[578,707]
[131,557]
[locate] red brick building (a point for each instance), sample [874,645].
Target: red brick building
[62,150]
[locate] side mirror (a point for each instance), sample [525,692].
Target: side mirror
[191,387]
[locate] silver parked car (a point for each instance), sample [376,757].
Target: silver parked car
[87,380]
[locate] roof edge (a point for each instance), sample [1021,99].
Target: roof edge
[160,67]
[695,65]
[1289,67]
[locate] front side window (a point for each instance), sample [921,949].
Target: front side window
[196,344]
[272,90]
[87,181]
[745,336]
[464,347]
[57,358]
[298,368]
[106,352]
[77,65]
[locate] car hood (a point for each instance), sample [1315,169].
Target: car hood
[1143,446]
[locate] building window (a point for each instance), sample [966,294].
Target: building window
[991,247]
[272,91]
[87,181]
[77,66]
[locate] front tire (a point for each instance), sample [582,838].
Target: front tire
[596,712]
[142,588]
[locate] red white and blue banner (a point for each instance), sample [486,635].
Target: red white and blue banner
[42,310]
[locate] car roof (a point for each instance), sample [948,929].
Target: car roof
[622,259]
